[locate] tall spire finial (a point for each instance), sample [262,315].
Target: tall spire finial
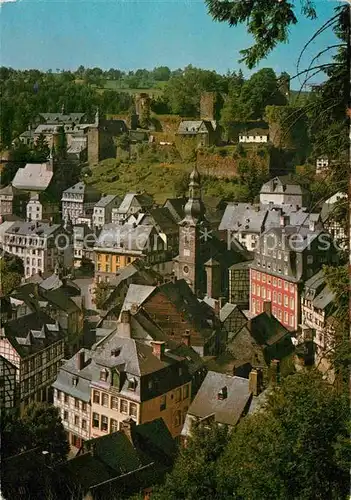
[63,109]
[194,209]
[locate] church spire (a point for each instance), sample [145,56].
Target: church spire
[194,210]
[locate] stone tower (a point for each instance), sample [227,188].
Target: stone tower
[143,108]
[191,231]
[207,106]
[213,276]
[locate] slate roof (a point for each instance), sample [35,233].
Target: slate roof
[69,371]
[176,207]
[226,311]
[307,235]
[105,200]
[89,192]
[41,229]
[34,176]
[9,190]
[317,291]
[116,455]
[283,184]
[32,333]
[144,200]
[228,410]
[255,132]
[191,127]
[124,238]
[77,145]
[162,219]
[62,117]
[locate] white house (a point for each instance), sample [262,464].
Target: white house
[256,135]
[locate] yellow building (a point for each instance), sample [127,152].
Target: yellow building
[119,245]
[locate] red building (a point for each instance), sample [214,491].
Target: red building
[283,294]
[285,258]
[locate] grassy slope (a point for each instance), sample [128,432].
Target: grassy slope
[157,179]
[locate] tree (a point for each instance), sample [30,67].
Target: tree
[45,428]
[41,150]
[11,276]
[268,24]
[161,74]
[292,449]
[194,473]
[101,293]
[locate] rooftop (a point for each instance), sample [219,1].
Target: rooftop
[34,176]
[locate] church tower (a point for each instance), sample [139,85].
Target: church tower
[191,235]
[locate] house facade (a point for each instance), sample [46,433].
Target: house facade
[102,213]
[132,204]
[34,344]
[12,201]
[257,136]
[40,245]
[8,386]
[79,201]
[284,191]
[285,257]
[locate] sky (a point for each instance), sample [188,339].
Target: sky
[127,34]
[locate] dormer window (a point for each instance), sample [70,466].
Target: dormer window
[75,381]
[103,375]
[132,384]
[223,393]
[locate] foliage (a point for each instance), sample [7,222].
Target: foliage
[194,473]
[101,293]
[182,92]
[45,428]
[11,272]
[41,150]
[123,142]
[39,426]
[292,449]
[252,174]
[268,23]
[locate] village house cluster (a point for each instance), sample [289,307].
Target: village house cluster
[136,320]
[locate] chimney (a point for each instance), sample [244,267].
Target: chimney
[158,348]
[267,308]
[125,317]
[186,338]
[173,278]
[127,427]
[133,309]
[217,307]
[222,393]
[284,220]
[80,360]
[222,302]
[124,329]
[311,225]
[255,381]
[275,371]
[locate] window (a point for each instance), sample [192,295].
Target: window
[309,259]
[132,384]
[274,281]
[263,293]
[96,397]
[163,402]
[286,301]
[114,403]
[292,303]
[76,420]
[264,278]
[292,323]
[104,400]
[58,395]
[253,288]
[104,423]
[269,295]
[279,314]
[133,409]
[84,406]
[96,420]
[186,391]
[65,415]
[113,425]
[253,305]
[178,395]
[66,399]
[76,403]
[177,418]
[124,406]
[258,291]
[279,283]
[39,378]
[274,296]
[279,298]
[286,285]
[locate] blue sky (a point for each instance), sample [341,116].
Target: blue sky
[130,34]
